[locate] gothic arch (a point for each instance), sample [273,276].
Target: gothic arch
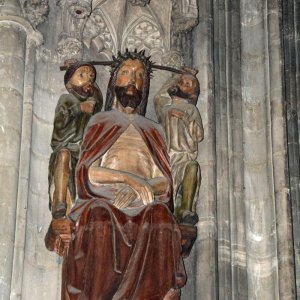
[143,33]
[99,33]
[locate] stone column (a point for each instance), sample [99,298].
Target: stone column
[291,41]
[232,272]
[16,34]
[267,208]
[204,267]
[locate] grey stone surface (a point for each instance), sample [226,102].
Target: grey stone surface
[291,30]
[247,74]
[10,141]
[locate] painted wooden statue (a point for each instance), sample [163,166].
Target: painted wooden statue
[121,239]
[175,106]
[72,113]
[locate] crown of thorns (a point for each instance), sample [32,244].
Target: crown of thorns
[117,61]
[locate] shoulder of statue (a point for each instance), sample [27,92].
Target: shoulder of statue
[105,117]
[153,127]
[150,123]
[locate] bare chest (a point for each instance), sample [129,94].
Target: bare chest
[130,154]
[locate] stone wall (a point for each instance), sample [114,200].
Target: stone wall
[245,247]
[247,53]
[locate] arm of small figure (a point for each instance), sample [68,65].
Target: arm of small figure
[66,110]
[162,98]
[196,127]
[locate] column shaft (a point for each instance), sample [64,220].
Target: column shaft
[12,61]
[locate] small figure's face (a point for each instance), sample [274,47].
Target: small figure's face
[188,84]
[186,87]
[131,75]
[82,80]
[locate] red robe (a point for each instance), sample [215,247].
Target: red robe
[114,255]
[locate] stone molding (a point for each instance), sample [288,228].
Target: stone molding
[96,3]
[69,44]
[139,2]
[184,15]
[99,34]
[32,34]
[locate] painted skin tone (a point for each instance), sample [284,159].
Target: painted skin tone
[142,180]
[188,85]
[84,77]
[131,74]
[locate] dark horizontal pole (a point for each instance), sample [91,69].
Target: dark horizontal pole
[109,63]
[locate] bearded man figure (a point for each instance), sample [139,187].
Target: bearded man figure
[72,114]
[125,242]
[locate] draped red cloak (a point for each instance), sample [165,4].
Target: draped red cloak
[114,255]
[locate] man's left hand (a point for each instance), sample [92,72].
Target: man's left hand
[124,197]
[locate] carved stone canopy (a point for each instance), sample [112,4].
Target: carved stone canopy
[80,8]
[139,2]
[36,11]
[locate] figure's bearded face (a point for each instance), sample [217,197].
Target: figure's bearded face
[129,83]
[82,81]
[128,96]
[186,87]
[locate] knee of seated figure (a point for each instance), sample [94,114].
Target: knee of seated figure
[193,166]
[161,213]
[101,214]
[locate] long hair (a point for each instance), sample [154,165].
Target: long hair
[118,61]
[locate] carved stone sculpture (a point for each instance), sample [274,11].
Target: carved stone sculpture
[36,11]
[69,47]
[139,2]
[121,240]
[176,109]
[72,113]
[184,15]
[80,9]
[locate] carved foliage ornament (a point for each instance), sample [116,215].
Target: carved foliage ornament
[80,8]
[139,2]
[145,35]
[97,34]
[173,59]
[69,47]
[36,11]
[184,15]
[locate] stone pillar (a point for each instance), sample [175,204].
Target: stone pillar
[267,208]
[204,268]
[16,34]
[232,272]
[291,40]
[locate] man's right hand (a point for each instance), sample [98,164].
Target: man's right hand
[142,188]
[88,106]
[59,236]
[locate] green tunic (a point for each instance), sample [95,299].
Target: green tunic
[69,125]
